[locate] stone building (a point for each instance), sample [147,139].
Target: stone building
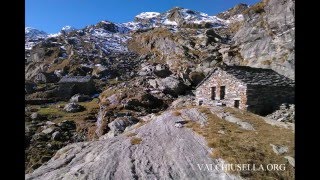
[257,90]
[71,85]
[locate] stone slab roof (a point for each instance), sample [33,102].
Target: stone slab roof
[75,79]
[254,76]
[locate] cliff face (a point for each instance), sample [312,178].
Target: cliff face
[266,38]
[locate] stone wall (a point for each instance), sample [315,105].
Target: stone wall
[234,90]
[264,100]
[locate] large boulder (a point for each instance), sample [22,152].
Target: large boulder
[169,85]
[36,116]
[162,71]
[73,107]
[102,71]
[120,124]
[146,69]
[29,87]
[56,135]
[279,149]
[212,37]
[34,68]
[67,125]
[144,102]
[80,98]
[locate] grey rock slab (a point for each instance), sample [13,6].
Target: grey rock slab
[48,130]
[278,123]
[73,107]
[290,160]
[56,135]
[278,149]
[79,98]
[165,152]
[242,124]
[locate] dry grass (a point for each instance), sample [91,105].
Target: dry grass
[266,62]
[239,146]
[135,140]
[91,108]
[234,27]
[176,113]
[85,120]
[60,66]
[140,123]
[130,134]
[257,8]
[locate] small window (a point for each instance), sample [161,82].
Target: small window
[236,103]
[222,92]
[213,93]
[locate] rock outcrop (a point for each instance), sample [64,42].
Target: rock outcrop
[286,113]
[266,37]
[73,107]
[160,151]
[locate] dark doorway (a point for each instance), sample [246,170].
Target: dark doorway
[200,102]
[213,93]
[222,92]
[236,103]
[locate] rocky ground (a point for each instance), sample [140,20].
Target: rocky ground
[284,114]
[170,146]
[142,77]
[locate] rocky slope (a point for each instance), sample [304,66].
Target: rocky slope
[137,68]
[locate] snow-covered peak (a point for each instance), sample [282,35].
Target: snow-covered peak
[68,29]
[33,33]
[147,15]
[173,18]
[189,16]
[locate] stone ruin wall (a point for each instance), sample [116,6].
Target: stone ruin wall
[234,90]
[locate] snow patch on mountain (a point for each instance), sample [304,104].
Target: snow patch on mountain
[68,29]
[147,15]
[170,23]
[110,42]
[33,36]
[132,25]
[235,18]
[33,33]
[195,17]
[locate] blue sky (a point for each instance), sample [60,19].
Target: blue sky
[52,15]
